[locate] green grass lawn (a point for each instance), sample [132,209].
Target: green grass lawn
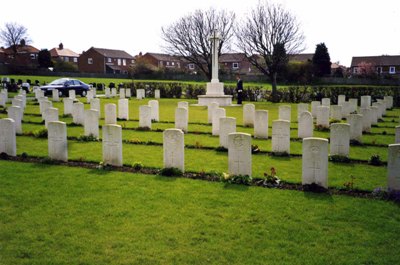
[64,215]
[203,159]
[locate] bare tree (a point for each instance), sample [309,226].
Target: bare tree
[189,36]
[14,34]
[266,37]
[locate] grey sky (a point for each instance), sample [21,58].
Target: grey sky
[347,27]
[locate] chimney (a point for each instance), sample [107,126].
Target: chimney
[60,46]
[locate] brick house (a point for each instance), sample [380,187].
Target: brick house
[98,60]
[382,65]
[2,56]
[22,55]
[160,60]
[63,54]
[233,63]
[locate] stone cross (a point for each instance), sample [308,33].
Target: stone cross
[215,39]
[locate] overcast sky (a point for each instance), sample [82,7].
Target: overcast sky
[347,27]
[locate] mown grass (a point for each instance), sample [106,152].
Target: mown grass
[289,169]
[63,215]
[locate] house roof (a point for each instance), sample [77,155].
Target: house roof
[163,57]
[56,52]
[113,53]
[383,60]
[22,49]
[231,57]
[301,57]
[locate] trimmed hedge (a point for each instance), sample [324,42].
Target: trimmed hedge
[290,94]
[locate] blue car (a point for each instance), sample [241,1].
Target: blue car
[64,85]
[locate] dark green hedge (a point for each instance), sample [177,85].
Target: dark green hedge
[290,94]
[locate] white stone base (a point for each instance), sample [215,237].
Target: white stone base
[223,100]
[215,88]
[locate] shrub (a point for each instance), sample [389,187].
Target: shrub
[88,138]
[42,133]
[137,165]
[339,159]
[237,179]
[255,149]
[375,160]
[171,171]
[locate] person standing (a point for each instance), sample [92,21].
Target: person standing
[239,89]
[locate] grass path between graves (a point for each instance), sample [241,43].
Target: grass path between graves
[63,215]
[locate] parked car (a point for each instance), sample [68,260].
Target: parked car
[64,85]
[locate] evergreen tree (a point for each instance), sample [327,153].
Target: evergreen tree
[44,59]
[321,61]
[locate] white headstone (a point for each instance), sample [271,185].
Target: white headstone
[365,101]
[145,116]
[18,103]
[50,114]
[157,93]
[113,92]
[389,102]
[218,113]
[91,126]
[56,96]
[281,136]
[326,102]
[15,113]
[397,135]
[122,93]
[379,113]
[336,112]
[367,118]
[95,104]
[353,104]
[181,119]
[8,143]
[211,108]
[306,125]
[314,106]
[323,116]
[174,149]
[285,112]
[382,106]
[340,139]
[3,99]
[72,94]
[249,111]
[57,140]
[261,124]
[123,109]
[315,161]
[227,125]
[89,96]
[107,92]
[374,115]
[140,94]
[183,104]
[44,105]
[393,167]
[78,113]
[68,106]
[341,100]
[112,145]
[110,116]
[346,109]
[301,107]
[155,116]
[128,93]
[356,125]
[239,154]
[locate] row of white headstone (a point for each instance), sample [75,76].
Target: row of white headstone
[314,151]
[126,93]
